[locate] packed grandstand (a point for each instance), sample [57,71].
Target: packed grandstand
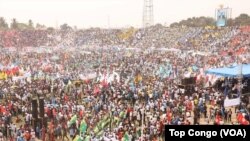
[118,84]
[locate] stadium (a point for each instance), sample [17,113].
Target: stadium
[123,84]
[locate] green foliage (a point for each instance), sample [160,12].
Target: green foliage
[39,26]
[195,22]
[14,24]
[65,27]
[241,20]
[3,24]
[31,25]
[22,26]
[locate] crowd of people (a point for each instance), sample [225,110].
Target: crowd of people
[97,86]
[157,36]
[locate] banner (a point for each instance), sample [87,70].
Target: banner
[231,102]
[221,17]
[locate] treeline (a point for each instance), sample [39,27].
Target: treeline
[28,26]
[17,25]
[241,20]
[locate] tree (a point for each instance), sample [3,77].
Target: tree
[65,27]
[175,24]
[75,27]
[14,24]
[50,29]
[3,23]
[39,26]
[23,26]
[230,22]
[242,19]
[195,22]
[30,24]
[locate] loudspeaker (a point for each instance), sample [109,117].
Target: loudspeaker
[188,81]
[41,107]
[192,80]
[185,81]
[34,109]
[189,90]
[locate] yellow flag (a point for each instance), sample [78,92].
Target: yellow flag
[190,69]
[3,76]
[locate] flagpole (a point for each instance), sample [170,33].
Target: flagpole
[142,125]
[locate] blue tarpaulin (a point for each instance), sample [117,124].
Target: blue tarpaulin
[232,71]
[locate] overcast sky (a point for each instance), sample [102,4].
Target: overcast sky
[113,13]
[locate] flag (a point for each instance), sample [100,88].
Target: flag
[77,138]
[87,138]
[73,120]
[96,90]
[175,72]
[125,137]
[138,133]
[138,78]
[104,81]
[122,114]
[83,126]
[100,125]
[116,120]
[3,76]
[195,68]
[99,134]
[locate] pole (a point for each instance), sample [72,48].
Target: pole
[52,85]
[142,125]
[110,116]
[240,80]
[110,125]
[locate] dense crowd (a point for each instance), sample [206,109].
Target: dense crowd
[101,84]
[156,36]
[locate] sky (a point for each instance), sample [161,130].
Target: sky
[112,13]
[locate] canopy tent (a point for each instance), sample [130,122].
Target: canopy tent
[232,71]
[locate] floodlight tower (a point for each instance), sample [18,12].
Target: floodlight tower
[148,13]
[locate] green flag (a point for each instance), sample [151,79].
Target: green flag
[83,126]
[101,124]
[87,138]
[138,133]
[105,123]
[73,120]
[125,137]
[99,134]
[96,130]
[77,138]
[122,114]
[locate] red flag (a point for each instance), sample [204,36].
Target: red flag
[96,90]
[239,117]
